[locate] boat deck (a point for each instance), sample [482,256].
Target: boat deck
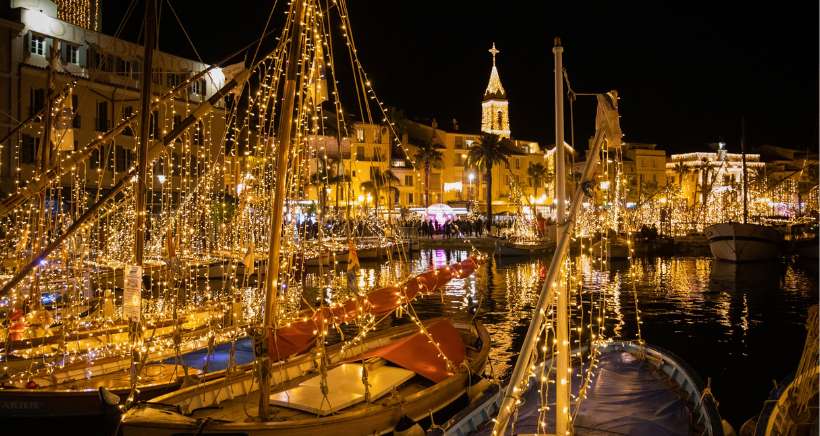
[626,396]
[245,408]
[153,373]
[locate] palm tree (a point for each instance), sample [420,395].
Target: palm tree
[399,121]
[540,175]
[380,181]
[428,155]
[491,149]
[323,178]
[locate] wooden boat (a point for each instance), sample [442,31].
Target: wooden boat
[803,241]
[78,392]
[222,403]
[791,408]
[638,390]
[615,248]
[522,248]
[738,242]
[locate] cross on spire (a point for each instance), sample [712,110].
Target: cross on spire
[494,51]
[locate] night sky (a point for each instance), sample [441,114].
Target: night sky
[686,71]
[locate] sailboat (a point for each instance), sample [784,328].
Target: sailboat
[63,372]
[743,242]
[791,408]
[301,383]
[628,387]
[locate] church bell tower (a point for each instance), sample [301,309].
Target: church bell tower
[494,107]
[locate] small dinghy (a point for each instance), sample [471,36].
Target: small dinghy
[635,390]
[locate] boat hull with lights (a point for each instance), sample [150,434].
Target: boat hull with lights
[78,390]
[411,395]
[737,242]
[617,248]
[643,390]
[510,248]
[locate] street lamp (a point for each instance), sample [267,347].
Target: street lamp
[470,178]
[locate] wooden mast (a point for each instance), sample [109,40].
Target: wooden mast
[142,172]
[745,178]
[278,199]
[562,379]
[45,162]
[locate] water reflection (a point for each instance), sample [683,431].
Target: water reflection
[741,325]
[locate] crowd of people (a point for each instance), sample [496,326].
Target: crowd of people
[450,228]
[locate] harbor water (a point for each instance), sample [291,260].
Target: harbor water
[740,326]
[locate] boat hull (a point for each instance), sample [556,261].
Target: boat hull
[49,403]
[736,242]
[514,250]
[372,419]
[705,418]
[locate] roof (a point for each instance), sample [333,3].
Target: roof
[494,88]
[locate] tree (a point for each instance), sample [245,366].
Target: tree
[430,157]
[380,181]
[488,151]
[320,180]
[540,175]
[323,178]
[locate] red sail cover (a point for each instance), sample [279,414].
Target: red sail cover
[298,336]
[417,354]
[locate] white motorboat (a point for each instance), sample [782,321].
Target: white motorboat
[739,242]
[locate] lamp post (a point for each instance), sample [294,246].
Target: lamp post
[470,178]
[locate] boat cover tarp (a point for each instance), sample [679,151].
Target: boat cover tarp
[626,396]
[219,359]
[298,336]
[419,355]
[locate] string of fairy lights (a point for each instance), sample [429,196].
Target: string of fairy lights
[184,241]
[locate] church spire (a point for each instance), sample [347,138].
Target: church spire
[494,111]
[494,88]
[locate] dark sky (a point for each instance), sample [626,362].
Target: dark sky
[686,71]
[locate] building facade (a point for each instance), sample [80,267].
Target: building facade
[105,73]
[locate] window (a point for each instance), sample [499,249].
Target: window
[500,118]
[517,164]
[127,112]
[38,45]
[123,158]
[408,181]
[410,198]
[359,152]
[94,160]
[28,149]
[154,124]
[71,54]
[360,134]
[174,80]
[37,101]
[198,87]
[102,116]
[354,173]
[75,107]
